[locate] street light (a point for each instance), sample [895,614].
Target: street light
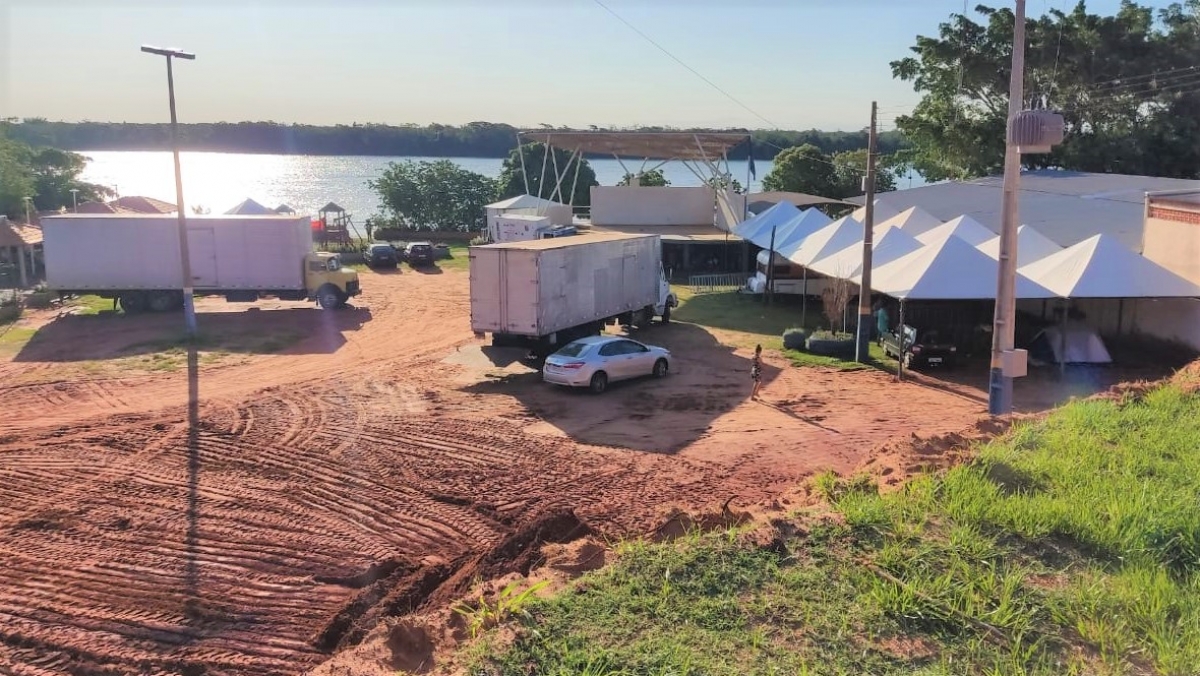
[74,199]
[189,308]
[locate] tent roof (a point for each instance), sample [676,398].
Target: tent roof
[888,245]
[949,269]
[284,209]
[332,206]
[914,220]
[793,232]
[776,215]
[883,212]
[963,227]
[249,207]
[660,145]
[1100,267]
[799,199]
[524,202]
[16,234]
[825,242]
[142,205]
[1032,246]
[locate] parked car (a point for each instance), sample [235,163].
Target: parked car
[381,255]
[926,348]
[419,253]
[595,361]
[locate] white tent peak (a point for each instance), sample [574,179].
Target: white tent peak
[1101,267]
[524,202]
[883,211]
[888,245]
[949,269]
[963,227]
[913,220]
[825,242]
[790,235]
[249,207]
[775,215]
[1032,246]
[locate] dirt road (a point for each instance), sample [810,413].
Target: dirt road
[356,473]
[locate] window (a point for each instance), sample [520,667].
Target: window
[611,349]
[316,266]
[572,350]
[630,347]
[334,264]
[783,270]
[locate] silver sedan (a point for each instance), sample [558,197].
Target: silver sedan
[595,361]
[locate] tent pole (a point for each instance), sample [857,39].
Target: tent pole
[903,347]
[804,301]
[1062,341]
[521,154]
[769,291]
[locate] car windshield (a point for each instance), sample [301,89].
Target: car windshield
[381,248]
[572,350]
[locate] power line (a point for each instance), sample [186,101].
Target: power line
[693,71]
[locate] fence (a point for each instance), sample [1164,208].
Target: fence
[729,281]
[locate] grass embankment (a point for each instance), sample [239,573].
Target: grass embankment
[1072,545]
[751,322]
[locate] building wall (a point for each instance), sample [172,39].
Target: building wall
[1172,235]
[637,205]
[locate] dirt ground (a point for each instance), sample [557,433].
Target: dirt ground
[371,467]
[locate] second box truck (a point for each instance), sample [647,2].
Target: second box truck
[135,260]
[544,293]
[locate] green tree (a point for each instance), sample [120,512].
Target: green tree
[55,173]
[512,179]
[725,182]
[16,181]
[650,179]
[849,168]
[434,195]
[803,169]
[1098,71]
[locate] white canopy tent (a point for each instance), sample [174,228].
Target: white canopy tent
[883,212]
[888,245]
[950,269]
[823,243]
[795,230]
[249,207]
[915,221]
[1100,267]
[1032,246]
[963,227]
[778,214]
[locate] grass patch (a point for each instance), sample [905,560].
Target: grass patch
[13,338]
[89,305]
[876,360]
[745,314]
[1072,545]
[458,259]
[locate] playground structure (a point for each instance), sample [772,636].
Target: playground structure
[334,226]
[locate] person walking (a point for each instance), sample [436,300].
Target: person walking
[881,323]
[756,371]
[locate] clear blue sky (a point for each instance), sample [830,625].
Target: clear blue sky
[797,63]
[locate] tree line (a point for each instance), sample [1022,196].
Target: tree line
[40,178]
[477,139]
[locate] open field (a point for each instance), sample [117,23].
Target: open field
[355,465]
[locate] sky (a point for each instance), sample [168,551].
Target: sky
[789,64]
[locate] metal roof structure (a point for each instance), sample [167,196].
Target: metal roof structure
[654,145]
[798,199]
[1066,206]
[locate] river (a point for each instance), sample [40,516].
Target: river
[219,181]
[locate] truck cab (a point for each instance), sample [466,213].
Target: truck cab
[666,298]
[327,282]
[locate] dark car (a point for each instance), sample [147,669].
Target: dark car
[381,255]
[926,348]
[419,253]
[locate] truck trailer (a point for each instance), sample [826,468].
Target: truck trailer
[544,293]
[134,259]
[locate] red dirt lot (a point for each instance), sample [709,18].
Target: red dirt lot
[369,469]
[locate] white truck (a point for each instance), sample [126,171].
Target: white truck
[544,293]
[135,260]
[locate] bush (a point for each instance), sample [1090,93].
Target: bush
[829,344]
[40,299]
[9,312]
[794,339]
[480,240]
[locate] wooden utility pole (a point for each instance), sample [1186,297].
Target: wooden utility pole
[863,343]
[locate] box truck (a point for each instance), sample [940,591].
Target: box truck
[135,260]
[544,293]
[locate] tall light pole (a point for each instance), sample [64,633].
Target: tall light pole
[74,200]
[862,343]
[189,308]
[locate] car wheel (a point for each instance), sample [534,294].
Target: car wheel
[133,302]
[660,368]
[164,301]
[599,382]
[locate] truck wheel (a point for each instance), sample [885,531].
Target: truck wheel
[133,302]
[164,301]
[666,315]
[660,368]
[329,298]
[599,382]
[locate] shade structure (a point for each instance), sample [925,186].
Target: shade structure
[883,212]
[524,202]
[914,220]
[249,207]
[790,234]
[1032,246]
[1101,267]
[888,245]
[948,269]
[825,242]
[963,227]
[775,216]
